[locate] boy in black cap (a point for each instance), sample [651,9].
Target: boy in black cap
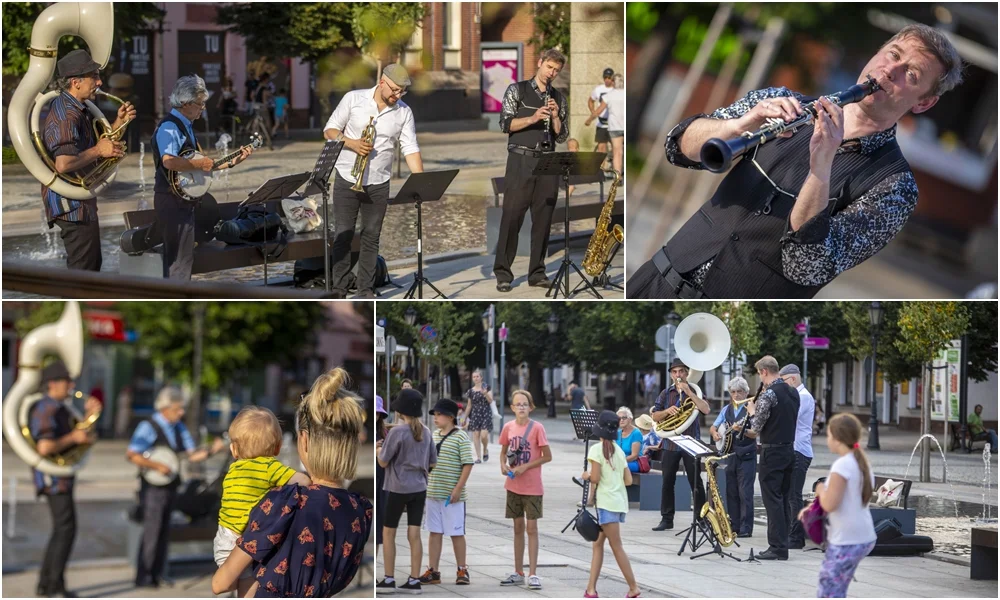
[407,454]
[68,135]
[54,432]
[446,492]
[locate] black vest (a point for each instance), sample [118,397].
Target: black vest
[531,100]
[742,224]
[780,425]
[162,183]
[731,419]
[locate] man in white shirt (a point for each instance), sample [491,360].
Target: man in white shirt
[803,453]
[393,120]
[596,97]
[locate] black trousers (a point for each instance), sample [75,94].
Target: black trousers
[776,466]
[51,576]
[83,244]
[740,474]
[157,502]
[647,283]
[522,191]
[175,218]
[347,204]
[796,534]
[672,458]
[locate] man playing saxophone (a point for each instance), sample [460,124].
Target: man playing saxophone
[667,405]
[383,108]
[68,134]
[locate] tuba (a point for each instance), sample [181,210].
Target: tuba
[64,338]
[361,162]
[93,21]
[605,236]
[702,343]
[714,511]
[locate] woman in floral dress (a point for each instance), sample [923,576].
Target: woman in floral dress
[478,416]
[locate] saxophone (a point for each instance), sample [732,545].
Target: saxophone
[92,21]
[714,510]
[602,243]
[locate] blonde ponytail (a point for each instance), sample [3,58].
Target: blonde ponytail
[334,418]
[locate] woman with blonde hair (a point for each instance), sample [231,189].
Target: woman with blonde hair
[309,540]
[850,533]
[478,416]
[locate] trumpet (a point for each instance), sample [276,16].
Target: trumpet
[717,155]
[361,162]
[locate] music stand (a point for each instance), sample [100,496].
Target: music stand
[565,165]
[584,422]
[273,189]
[319,181]
[419,188]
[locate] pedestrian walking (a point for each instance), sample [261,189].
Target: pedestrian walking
[478,416]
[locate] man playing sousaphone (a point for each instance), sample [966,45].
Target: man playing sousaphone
[164,428]
[54,433]
[667,405]
[68,134]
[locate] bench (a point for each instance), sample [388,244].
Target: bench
[970,440]
[214,255]
[577,212]
[984,553]
[906,516]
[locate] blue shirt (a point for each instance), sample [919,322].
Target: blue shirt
[170,139]
[722,414]
[626,443]
[804,422]
[651,439]
[68,131]
[50,420]
[145,435]
[279,106]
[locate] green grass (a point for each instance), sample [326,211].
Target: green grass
[10,156]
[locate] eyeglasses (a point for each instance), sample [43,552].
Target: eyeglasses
[622,418]
[521,405]
[394,91]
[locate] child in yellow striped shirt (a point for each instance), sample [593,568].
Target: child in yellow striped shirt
[255,440]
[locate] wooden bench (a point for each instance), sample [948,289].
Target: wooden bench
[984,553]
[970,440]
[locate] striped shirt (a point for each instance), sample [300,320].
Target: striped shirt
[245,484]
[454,454]
[68,131]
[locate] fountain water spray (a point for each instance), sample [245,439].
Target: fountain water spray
[223,146]
[943,459]
[987,507]
[143,205]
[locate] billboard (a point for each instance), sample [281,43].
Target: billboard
[501,66]
[944,391]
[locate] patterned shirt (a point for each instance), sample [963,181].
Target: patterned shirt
[512,101]
[765,401]
[245,484]
[50,420]
[68,130]
[827,244]
[306,541]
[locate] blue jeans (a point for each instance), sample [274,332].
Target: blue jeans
[606,516]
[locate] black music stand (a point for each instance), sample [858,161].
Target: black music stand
[584,422]
[273,189]
[319,181]
[696,449]
[565,165]
[419,188]
[603,279]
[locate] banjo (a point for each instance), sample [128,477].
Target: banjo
[728,434]
[192,185]
[164,455]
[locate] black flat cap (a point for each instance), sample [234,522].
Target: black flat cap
[76,63]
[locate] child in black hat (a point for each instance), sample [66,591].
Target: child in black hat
[446,492]
[608,476]
[407,454]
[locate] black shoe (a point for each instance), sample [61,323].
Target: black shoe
[796,545]
[412,586]
[384,587]
[365,295]
[543,282]
[147,584]
[664,525]
[745,535]
[770,554]
[503,286]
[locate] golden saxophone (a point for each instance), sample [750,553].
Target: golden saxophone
[714,510]
[602,243]
[361,162]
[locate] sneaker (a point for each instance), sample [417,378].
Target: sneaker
[486,456]
[479,462]
[462,578]
[534,582]
[513,579]
[430,576]
[385,587]
[412,586]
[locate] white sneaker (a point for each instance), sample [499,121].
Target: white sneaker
[534,582]
[513,579]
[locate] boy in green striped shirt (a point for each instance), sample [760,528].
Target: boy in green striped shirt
[446,492]
[255,439]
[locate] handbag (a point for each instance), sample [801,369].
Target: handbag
[301,214]
[814,522]
[644,464]
[889,494]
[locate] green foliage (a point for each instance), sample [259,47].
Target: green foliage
[19,18]
[529,340]
[741,319]
[383,29]
[615,336]
[48,311]
[455,324]
[551,27]
[982,339]
[10,156]
[308,30]
[895,365]
[927,328]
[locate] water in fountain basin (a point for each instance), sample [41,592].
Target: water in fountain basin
[143,204]
[50,250]
[944,460]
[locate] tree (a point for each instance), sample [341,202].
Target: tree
[552,21]
[383,29]
[307,30]
[927,328]
[982,339]
[529,340]
[19,18]
[741,320]
[894,364]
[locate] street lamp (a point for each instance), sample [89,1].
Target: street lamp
[410,316]
[875,313]
[673,319]
[487,318]
[553,325]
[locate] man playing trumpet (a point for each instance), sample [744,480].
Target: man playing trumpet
[68,134]
[381,107]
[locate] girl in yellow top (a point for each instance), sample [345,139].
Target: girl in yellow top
[255,436]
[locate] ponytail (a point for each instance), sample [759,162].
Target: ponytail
[846,429]
[416,427]
[334,419]
[866,474]
[608,448]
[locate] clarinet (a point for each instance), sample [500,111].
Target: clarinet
[547,143]
[746,418]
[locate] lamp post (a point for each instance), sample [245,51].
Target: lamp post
[487,318]
[875,313]
[553,325]
[673,319]
[410,316]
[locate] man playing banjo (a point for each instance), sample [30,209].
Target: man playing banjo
[741,467]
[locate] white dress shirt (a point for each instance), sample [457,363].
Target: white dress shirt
[394,122]
[804,423]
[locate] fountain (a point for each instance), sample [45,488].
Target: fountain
[943,459]
[143,205]
[51,249]
[223,146]
[987,516]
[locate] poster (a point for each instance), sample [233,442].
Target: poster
[133,80]
[945,384]
[500,68]
[203,53]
